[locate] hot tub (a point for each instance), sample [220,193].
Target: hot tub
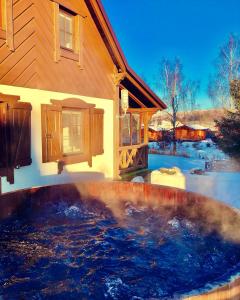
[116,240]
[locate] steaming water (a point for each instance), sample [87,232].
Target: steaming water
[80,251]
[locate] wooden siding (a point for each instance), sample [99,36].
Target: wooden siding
[18,67]
[32,64]
[185,134]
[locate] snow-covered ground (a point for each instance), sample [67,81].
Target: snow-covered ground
[223,186]
[205,150]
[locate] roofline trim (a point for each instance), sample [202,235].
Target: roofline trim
[124,62]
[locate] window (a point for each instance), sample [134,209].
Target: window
[130,130]
[72,131]
[15,135]
[66,30]
[126,130]
[135,129]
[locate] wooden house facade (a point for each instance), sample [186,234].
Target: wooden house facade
[191,133]
[61,75]
[154,135]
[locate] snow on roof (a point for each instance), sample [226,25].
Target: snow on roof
[197,127]
[166,125]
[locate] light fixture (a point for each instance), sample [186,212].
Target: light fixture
[124,100]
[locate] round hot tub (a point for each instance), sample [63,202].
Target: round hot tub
[116,240]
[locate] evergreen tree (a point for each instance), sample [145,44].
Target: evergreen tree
[229,126]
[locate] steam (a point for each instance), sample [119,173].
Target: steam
[212,216]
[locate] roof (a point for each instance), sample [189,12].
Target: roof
[193,127]
[111,41]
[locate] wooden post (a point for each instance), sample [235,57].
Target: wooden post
[116,135]
[117,78]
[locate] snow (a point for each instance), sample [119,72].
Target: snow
[167,161]
[197,127]
[205,149]
[222,186]
[169,177]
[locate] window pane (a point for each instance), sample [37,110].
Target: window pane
[61,22]
[125,131]
[135,129]
[62,39]
[68,41]
[66,30]
[68,23]
[73,135]
[142,131]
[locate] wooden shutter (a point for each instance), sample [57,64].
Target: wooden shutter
[97,131]
[15,136]
[51,133]
[20,134]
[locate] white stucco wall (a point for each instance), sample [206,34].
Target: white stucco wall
[37,173]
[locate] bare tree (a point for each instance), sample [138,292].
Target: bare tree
[190,94]
[227,68]
[175,91]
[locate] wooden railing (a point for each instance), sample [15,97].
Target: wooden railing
[133,157]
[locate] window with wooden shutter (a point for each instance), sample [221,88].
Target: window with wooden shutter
[51,133]
[72,131]
[15,135]
[97,131]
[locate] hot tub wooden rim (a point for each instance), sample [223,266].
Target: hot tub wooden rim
[146,186]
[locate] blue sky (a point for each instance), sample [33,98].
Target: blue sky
[192,30]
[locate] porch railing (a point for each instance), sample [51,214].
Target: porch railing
[132,158]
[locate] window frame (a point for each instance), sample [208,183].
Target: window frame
[69,136]
[71,158]
[65,12]
[77,104]
[3,19]
[2,14]
[52,132]
[76,53]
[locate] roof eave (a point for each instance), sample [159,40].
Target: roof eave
[120,57]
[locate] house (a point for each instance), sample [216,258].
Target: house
[62,72]
[160,131]
[191,133]
[154,135]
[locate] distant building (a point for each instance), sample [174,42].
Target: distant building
[191,133]
[154,135]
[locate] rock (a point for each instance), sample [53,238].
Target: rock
[197,171]
[169,177]
[137,179]
[172,171]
